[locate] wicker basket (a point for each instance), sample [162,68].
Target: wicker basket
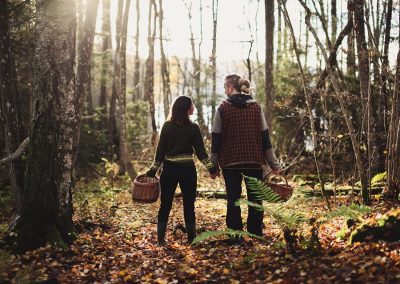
[145,189]
[285,191]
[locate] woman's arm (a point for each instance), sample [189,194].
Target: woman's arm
[201,153]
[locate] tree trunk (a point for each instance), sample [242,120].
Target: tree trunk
[105,59]
[164,65]
[269,62]
[351,58]
[334,20]
[123,149]
[393,157]
[364,73]
[149,80]
[83,78]
[113,137]
[213,59]
[8,99]
[196,63]
[46,204]
[136,74]
[279,42]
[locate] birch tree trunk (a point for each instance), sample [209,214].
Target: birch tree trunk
[213,59]
[46,203]
[8,99]
[269,61]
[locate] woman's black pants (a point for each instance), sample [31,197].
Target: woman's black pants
[233,183]
[173,174]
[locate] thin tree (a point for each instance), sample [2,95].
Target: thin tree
[105,58]
[166,88]
[8,100]
[149,76]
[334,20]
[213,59]
[46,202]
[123,149]
[269,61]
[393,157]
[196,63]
[136,72]
[364,75]
[83,77]
[116,82]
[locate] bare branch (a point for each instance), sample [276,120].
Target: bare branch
[17,153]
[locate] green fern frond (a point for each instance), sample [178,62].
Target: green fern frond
[228,232]
[261,191]
[284,217]
[378,178]
[354,211]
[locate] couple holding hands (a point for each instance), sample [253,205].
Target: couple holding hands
[240,145]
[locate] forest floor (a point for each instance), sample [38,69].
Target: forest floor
[118,244]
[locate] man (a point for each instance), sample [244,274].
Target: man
[241,145]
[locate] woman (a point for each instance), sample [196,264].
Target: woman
[179,136]
[241,145]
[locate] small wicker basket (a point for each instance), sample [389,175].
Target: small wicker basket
[145,189]
[284,191]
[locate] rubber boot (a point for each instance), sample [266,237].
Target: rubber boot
[161,229]
[191,232]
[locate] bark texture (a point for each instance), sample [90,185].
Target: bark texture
[46,203]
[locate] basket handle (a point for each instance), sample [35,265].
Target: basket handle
[144,175]
[279,175]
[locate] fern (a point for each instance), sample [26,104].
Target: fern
[284,217]
[261,191]
[378,178]
[228,232]
[354,211]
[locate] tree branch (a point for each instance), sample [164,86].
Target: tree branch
[17,152]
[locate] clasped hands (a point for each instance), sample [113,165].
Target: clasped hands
[215,175]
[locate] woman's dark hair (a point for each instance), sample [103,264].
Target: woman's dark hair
[238,83]
[179,110]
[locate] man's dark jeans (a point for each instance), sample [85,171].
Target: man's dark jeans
[233,182]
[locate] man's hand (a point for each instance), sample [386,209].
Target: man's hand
[213,176]
[279,172]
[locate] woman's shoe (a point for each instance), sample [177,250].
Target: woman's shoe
[191,232]
[161,229]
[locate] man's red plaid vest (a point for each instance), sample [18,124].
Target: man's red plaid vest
[241,141]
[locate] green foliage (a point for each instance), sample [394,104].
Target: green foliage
[262,191]
[285,217]
[136,122]
[378,178]
[94,139]
[354,211]
[386,227]
[228,232]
